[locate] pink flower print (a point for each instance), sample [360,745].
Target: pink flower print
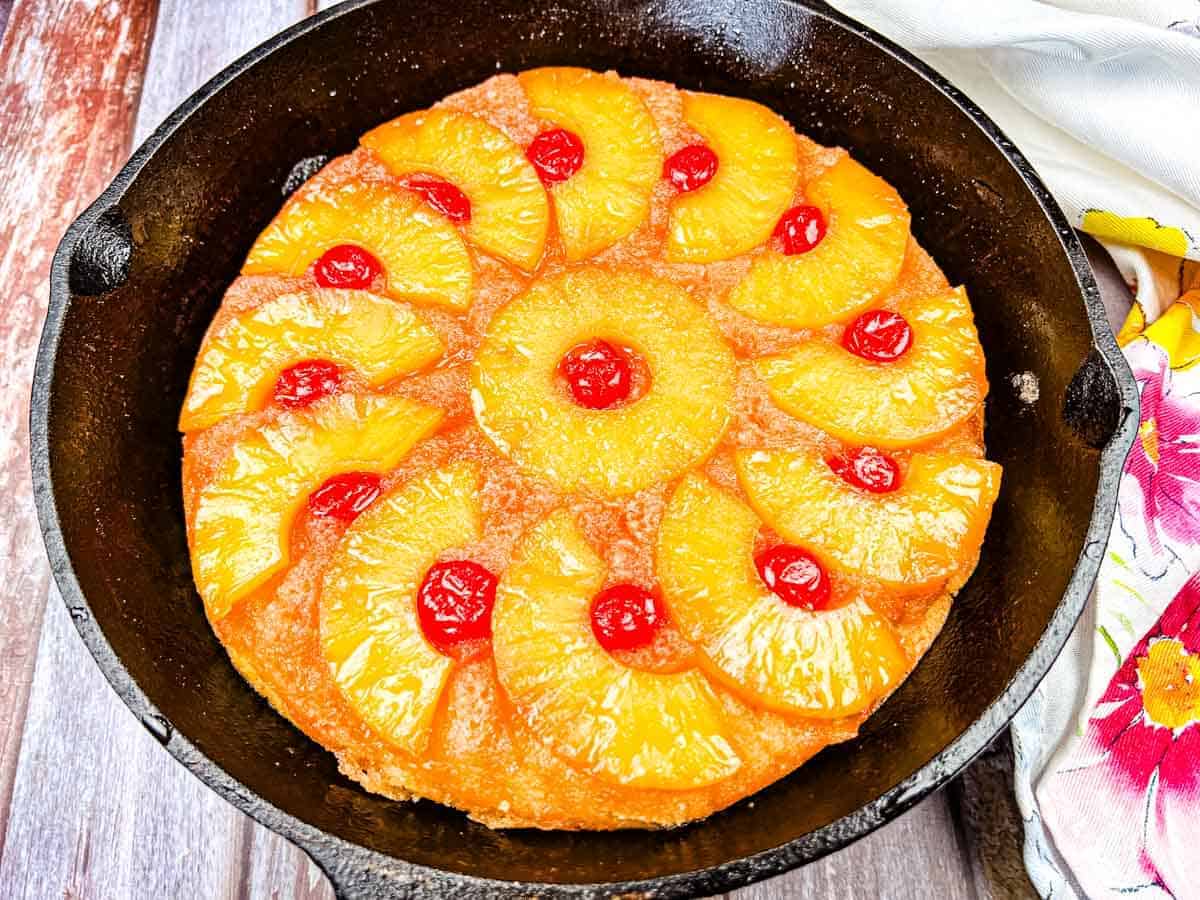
[1122,809]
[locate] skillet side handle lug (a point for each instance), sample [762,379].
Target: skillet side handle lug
[359,874]
[1093,407]
[99,261]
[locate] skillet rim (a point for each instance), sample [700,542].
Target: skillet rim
[360,872]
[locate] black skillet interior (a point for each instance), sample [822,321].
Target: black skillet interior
[138,278]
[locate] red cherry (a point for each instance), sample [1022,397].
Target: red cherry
[800,228]
[794,575]
[690,168]
[598,374]
[307,382]
[454,603]
[625,617]
[879,335]
[868,469]
[344,496]
[556,154]
[347,266]
[442,196]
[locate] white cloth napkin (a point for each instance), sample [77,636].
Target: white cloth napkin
[1097,93]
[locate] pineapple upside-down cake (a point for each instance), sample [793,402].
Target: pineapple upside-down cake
[585,453]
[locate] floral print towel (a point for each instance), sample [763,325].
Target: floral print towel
[1117,811]
[1103,96]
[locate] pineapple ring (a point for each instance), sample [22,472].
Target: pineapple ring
[609,197]
[913,539]
[624,725]
[238,365]
[935,386]
[824,664]
[525,412]
[382,662]
[239,536]
[754,184]
[859,257]
[423,256]
[510,212]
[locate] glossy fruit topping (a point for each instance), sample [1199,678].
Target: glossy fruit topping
[913,539]
[346,266]
[867,468]
[794,575]
[306,382]
[598,374]
[800,229]
[823,663]
[423,256]
[626,617]
[241,361]
[442,196]
[241,532]
[622,724]
[344,496]
[858,258]
[454,603]
[378,648]
[879,335]
[690,168]
[934,386]
[611,166]
[509,212]
[557,154]
[745,195]
[531,417]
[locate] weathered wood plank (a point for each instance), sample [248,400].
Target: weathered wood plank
[99,810]
[916,857]
[70,76]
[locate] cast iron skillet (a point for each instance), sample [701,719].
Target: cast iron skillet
[139,275]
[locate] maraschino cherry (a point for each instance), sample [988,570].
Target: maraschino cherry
[794,575]
[626,617]
[454,604]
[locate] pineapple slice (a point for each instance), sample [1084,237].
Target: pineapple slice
[935,386]
[913,539]
[509,209]
[531,418]
[625,725]
[754,184]
[244,515]
[370,634]
[824,664]
[239,364]
[423,256]
[609,196]
[859,257]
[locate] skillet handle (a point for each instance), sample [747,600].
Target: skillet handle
[359,874]
[1093,405]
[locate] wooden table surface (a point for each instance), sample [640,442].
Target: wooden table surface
[91,806]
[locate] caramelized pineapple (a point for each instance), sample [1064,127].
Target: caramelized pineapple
[423,256]
[509,211]
[625,725]
[931,387]
[858,258]
[244,515]
[238,365]
[914,538]
[381,660]
[823,663]
[609,196]
[522,406]
[754,183]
